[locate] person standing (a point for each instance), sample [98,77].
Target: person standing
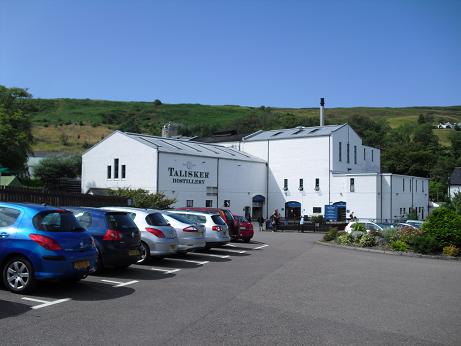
[260,222]
[275,220]
[301,224]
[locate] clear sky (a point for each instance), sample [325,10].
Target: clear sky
[248,52]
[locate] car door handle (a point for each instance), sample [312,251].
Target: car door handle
[4,235]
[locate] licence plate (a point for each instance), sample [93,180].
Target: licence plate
[133,253]
[173,247]
[79,265]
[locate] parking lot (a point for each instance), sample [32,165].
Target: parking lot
[281,288]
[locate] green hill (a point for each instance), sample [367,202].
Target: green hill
[71,125]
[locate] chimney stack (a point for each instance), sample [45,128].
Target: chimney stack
[322,118]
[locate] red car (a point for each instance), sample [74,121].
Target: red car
[246,228]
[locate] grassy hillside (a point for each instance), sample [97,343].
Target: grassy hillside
[71,125]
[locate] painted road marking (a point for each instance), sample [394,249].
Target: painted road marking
[45,303]
[260,247]
[166,271]
[208,255]
[231,245]
[187,261]
[232,251]
[120,284]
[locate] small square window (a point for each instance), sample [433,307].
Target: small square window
[189,203]
[317,210]
[209,203]
[227,203]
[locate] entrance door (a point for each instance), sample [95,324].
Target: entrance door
[292,210]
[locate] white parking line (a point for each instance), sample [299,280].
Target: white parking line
[120,284]
[187,261]
[208,255]
[44,302]
[260,247]
[166,271]
[232,251]
[231,245]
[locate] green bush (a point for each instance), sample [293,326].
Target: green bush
[445,226]
[398,245]
[359,227]
[367,240]
[330,235]
[144,199]
[390,234]
[450,250]
[408,234]
[426,244]
[345,239]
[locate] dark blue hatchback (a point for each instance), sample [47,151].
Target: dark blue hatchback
[39,242]
[116,236]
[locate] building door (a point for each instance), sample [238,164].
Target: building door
[292,211]
[257,208]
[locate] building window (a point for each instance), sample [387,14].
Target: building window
[411,183]
[372,155]
[227,203]
[416,185]
[189,203]
[422,185]
[301,184]
[355,154]
[352,185]
[109,172]
[209,203]
[115,168]
[123,171]
[403,185]
[347,153]
[340,151]
[285,184]
[317,184]
[364,154]
[317,210]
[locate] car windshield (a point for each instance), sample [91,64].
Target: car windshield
[56,221]
[156,219]
[120,221]
[217,220]
[180,218]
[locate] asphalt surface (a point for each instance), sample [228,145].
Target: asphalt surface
[291,292]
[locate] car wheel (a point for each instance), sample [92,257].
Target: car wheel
[246,240]
[145,253]
[18,275]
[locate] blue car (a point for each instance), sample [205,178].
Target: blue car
[116,236]
[38,242]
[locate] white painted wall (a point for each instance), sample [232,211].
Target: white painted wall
[140,161]
[452,189]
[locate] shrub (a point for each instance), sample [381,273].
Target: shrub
[450,250]
[367,240]
[390,235]
[359,227]
[445,226]
[330,235]
[398,245]
[345,239]
[408,234]
[144,199]
[426,244]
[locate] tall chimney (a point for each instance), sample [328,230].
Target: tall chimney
[322,118]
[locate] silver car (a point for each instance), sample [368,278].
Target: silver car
[158,238]
[191,236]
[216,230]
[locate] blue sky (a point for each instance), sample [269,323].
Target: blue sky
[250,52]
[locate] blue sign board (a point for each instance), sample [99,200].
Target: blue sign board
[331,212]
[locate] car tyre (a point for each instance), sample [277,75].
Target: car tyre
[246,240]
[18,275]
[145,253]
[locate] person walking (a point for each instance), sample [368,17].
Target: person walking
[275,220]
[301,224]
[260,222]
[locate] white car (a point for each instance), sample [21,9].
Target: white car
[370,226]
[191,236]
[158,238]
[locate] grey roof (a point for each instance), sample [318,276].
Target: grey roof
[455,177]
[297,132]
[223,136]
[178,146]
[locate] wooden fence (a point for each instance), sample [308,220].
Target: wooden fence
[41,196]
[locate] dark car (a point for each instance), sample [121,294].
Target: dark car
[232,223]
[116,236]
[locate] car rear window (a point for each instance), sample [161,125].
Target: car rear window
[195,218]
[56,221]
[229,216]
[180,218]
[84,218]
[120,221]
[156,219]
[8,216]
[217,220]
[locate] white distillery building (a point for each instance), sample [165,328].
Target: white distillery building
[195,174]
[299,171]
